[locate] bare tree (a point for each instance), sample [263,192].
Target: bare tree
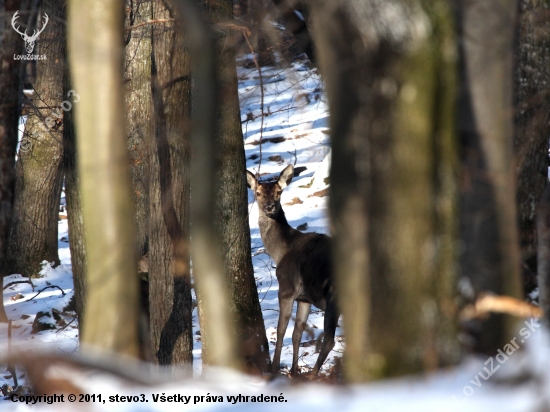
[137,77]
[77,233]
[137,83]
[393,180]
[10,101]
[39,171]
[95,54]
[169,266]
[232,205]
[532,127]
[489,230]
[217,325]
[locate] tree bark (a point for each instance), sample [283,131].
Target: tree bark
[489,230]
[137,82]
[77,233]
[10,102]
[532,127]
[219,345]
[543,253]
[95,52]
[231,210]
[393,181]
[39,171]
[137,74]
[169,267]
[232,220]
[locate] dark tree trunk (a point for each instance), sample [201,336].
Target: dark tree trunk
[543,253]
[219,345]
[169,269]
[10,101]
[489,231]
[39,171]
[137,73]
[137,81]
[532,115]
[297,25]
[232,210]
[393,181]
[77,233]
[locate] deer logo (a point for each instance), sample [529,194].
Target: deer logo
[29,40]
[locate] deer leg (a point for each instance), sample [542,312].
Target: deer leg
[285,310]
[331,321]
[302,313]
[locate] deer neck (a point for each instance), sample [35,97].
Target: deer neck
[277,234]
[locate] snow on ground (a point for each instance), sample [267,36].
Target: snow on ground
[294,130]
[23,301]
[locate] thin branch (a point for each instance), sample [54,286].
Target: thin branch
[19,281]
[47,287]
[486,304]
[148,22]
[245,34]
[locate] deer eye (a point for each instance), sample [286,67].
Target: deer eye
[279,192]
[258,193]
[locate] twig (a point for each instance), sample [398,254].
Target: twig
[47,287]
[261,94]
[486,304]
[295,157]
[67,325]
[19,281]
[145,23]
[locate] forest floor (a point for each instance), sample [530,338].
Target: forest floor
[294,129]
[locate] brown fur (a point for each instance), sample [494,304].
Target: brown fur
[304,268]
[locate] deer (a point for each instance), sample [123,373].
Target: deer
[303,269]
[29,40]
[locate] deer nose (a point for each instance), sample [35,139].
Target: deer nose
[270,207]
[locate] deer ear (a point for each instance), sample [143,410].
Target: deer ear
[251,181]
[286,176]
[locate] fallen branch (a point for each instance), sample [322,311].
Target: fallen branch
[486,304]
[67,325]
[19,281]
[47,287]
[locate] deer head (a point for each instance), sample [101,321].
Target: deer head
[268,194]
[29,40]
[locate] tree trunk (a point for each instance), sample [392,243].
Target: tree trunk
[10,101]
[393,181]
[232,220]
[543,252]
[532,127]
[297,25]
[169,268]
[219,345]
[232,207]
[111,313]
[77,233]
[137,81]
[489,231]
[137,74]
[39,171]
